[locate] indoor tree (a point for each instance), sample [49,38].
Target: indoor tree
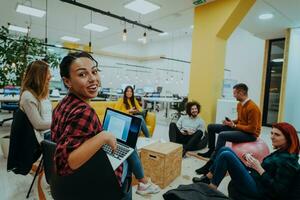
[16,51]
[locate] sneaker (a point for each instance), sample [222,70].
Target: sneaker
[149,188]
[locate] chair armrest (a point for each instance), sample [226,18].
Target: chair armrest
[151,121]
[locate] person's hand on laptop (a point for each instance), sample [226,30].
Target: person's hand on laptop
[110,140]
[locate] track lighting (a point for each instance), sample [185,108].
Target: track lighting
[145,38]
[124,36]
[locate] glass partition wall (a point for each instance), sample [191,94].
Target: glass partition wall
[273,81]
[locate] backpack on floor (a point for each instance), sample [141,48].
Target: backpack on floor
[194,191]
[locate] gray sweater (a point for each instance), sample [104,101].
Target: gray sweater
[33,109]
[190,123]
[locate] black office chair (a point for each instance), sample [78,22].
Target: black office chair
[9,106]
[93,180]
[180,109]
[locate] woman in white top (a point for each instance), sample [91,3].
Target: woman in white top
[34,97]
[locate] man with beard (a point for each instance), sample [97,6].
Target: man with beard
[189,128]
[246,128]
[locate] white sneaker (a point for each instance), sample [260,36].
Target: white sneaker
[149,188]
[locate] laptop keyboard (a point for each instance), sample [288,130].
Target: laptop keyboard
[119,153]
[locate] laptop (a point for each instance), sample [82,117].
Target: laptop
[125,128]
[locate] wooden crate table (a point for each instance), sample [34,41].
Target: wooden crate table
[162,162]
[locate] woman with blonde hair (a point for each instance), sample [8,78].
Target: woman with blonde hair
[34,97]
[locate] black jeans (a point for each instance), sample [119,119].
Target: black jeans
[189,142]
[226,133]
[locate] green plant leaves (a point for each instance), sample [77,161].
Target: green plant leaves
[16,51]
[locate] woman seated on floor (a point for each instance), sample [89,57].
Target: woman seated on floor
[270,179]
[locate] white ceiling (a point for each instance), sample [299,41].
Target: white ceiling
[286,15]
[175,17]
[67,19]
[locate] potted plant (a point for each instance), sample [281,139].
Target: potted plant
[16,51]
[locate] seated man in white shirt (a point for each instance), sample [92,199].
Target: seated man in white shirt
[189,129]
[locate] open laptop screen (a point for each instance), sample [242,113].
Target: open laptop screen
[118,124]
[125,127]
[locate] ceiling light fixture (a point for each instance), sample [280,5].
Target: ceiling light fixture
[30,11]
[140,39]
[141,6]
[95,27]
[163,34]
[58,45]
[107,13]
[277,60]
[266,16]
[70,39]
[145,38]
[18,28]
[124,36]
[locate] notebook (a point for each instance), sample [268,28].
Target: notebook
[125,128]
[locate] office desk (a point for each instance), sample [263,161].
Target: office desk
[9,98]
[164,100]
[121,94]
[15,98]
[62,96]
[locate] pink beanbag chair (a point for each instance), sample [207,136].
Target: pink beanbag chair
[258,149]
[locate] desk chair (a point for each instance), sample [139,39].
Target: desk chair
[9,106]
[180,109]
[93,180]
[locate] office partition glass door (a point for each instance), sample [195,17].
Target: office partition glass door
[273,82]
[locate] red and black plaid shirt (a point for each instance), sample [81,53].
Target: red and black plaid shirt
[73,122]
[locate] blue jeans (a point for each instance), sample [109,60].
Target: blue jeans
[226,133]
[135,164]
[134,160]
[144,126]
[227,160]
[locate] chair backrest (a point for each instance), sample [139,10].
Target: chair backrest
[94,179]
[182,105]
[48,148]
[24,148]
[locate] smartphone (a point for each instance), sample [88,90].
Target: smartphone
[227,119]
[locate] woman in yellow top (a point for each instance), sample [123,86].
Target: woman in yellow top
[129,104]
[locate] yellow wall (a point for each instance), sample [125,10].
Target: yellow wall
[213,24]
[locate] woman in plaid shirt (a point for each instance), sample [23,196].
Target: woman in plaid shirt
[271,179]
[75,127]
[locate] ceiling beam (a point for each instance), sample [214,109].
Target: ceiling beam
[107,13]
